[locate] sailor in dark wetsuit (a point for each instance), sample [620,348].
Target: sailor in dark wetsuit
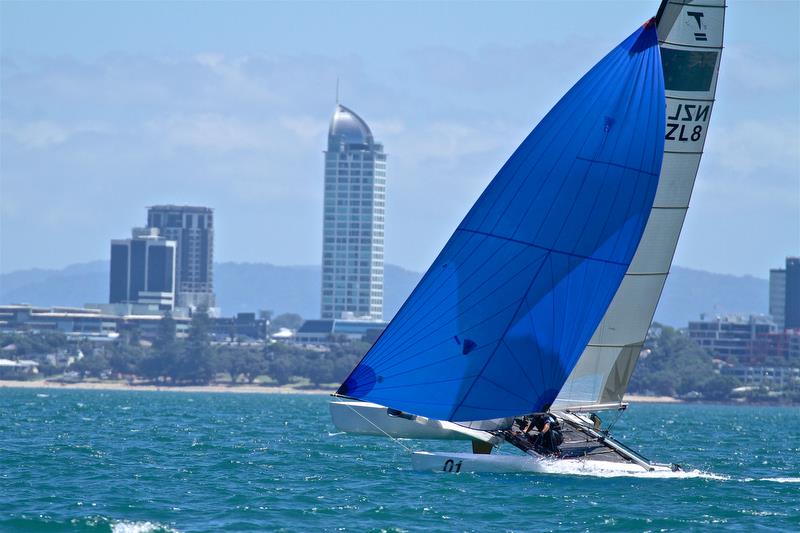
[549,437]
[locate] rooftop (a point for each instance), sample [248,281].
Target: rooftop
[347,128]
[181,208]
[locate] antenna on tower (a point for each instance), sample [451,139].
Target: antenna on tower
[337,90]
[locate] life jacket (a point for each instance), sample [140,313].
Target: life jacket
[542,420]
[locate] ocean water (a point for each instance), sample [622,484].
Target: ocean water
[168,461]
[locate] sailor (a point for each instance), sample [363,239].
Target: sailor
[549,437]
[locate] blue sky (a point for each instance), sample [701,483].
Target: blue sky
[109,107]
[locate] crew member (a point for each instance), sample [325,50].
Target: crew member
[549,437]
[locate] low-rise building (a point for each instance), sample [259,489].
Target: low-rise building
[75,322]
[84,323]
[12,368]
[777,346]
[777,377]
[243,326]
[730,337]
[327,331]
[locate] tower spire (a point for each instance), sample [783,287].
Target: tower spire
[337,90]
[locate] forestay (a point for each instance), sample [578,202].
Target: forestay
[690,35]
[500,318]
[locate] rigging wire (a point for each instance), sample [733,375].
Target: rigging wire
[409,450]
[616,418]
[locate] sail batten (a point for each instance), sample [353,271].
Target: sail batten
[498,321]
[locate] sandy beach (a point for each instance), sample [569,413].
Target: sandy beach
[115,385]
[637,398]
[239,389]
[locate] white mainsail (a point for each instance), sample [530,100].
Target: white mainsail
[690,36]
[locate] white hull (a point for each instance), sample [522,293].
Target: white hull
[468,462]
[365,418]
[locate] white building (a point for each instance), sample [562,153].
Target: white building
[353,223]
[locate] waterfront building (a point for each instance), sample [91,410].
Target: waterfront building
[192,229]
[244,327]
[731,336]
[778,348]
[764,376]
[75,322]
[143,270]
[327,331]
[84,323]
[353,220]
[777,296]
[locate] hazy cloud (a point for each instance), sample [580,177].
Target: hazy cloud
[245,134]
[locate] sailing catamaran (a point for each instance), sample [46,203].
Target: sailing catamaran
[541,299]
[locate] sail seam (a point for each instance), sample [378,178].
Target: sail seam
[550,250]
[521,366]
[618,165]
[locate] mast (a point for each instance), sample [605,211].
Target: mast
[690,37]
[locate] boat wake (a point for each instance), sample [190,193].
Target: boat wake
[124,526]
[781,479]
[603,469]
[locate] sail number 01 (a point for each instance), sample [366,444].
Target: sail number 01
[450,464]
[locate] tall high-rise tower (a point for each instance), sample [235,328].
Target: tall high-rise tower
[192,228]
[777,296]
[784,294]
[355,205]
[792,316]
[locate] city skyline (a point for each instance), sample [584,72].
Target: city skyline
[236,119]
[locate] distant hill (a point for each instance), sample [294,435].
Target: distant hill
[689,292]
[239,287]
[253,286]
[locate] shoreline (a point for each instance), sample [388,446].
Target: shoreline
[638,398]
[118,386]
[220,388]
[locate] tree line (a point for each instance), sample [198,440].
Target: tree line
[674,365]
[194,360]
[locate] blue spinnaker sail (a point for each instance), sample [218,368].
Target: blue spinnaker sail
[499,320]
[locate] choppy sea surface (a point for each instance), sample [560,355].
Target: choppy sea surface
[74,460]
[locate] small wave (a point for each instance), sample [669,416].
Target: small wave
[42,395]
[782,479]
[123,526]
[336,433]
